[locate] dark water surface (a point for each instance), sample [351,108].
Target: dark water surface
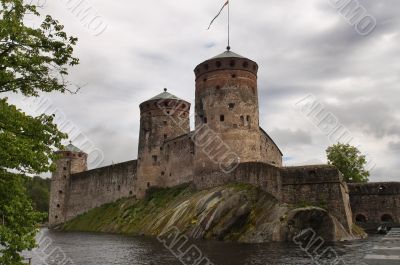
[106,249]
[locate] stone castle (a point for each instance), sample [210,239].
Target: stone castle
[227,145]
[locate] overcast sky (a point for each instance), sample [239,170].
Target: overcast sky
[302,47]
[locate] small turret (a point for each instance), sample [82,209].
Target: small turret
[71,160]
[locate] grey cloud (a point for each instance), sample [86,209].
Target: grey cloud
[289,137]
[371,116]
[394,146]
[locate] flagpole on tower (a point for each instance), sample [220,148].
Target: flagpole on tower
[229,26]
[227,3]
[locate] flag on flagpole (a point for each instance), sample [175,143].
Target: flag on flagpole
[219,13]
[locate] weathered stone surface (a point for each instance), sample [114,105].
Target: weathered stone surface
[160,119]
[318,186]
[375,204]
[238,212]
[70,162]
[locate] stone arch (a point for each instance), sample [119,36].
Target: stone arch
[361,218]
[387,218]
[312,218]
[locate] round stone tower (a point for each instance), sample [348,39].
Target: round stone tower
[71,160]
[227,114]
[162,117]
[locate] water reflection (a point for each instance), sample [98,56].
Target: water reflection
[105,249]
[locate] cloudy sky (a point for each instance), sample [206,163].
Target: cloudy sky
[302,47]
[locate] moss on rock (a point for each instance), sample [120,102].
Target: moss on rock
[236,212]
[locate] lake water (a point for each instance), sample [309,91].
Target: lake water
[106,249]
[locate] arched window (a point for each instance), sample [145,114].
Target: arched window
[387,218]
[360,218]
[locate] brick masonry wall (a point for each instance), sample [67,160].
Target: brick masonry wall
[93,188]
[160,120]
[375,201]
[226,102]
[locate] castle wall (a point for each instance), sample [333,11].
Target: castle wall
[375,203]
[318,186]
[265,176]
[177,161]
[93,188]
[270,153]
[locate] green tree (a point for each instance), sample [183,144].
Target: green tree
[349,160]
[32,59]
[38,190]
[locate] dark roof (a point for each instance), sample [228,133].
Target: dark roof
[228,54]
[72,148]
[165,95]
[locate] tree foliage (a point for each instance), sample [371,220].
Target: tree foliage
[18,220]
[38,190]
[32,60]
[349,160]
[27,144]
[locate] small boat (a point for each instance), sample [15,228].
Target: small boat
[382,230]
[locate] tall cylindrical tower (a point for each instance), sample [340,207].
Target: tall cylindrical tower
[162,117]
[227,114]
[72,160]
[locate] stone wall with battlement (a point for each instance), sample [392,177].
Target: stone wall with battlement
[375,203]
[93,188]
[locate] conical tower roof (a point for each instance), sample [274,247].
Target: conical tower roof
[228,54]
[165,95]
[72,148]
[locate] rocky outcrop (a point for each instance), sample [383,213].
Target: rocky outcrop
[237,212]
